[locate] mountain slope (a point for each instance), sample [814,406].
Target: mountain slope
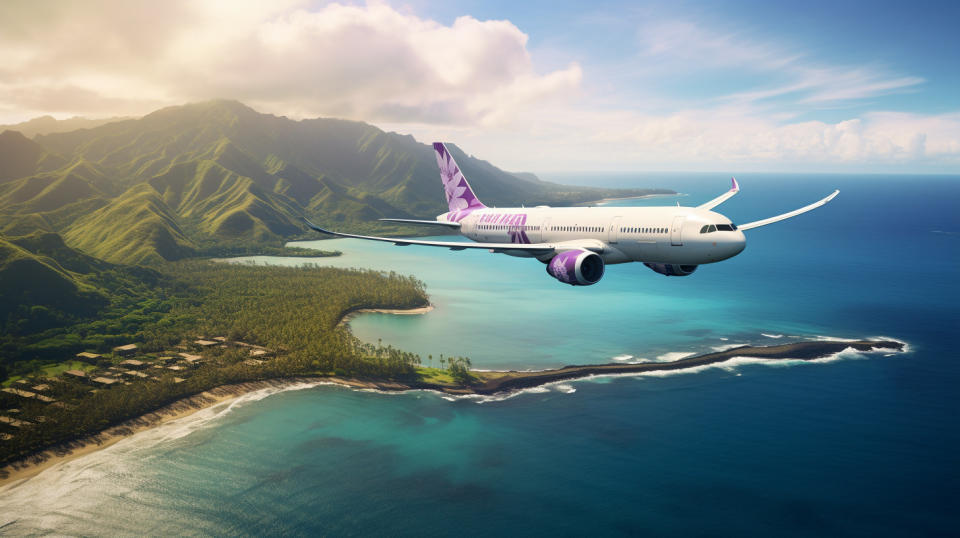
[39,283]
[186,178]
[135,228]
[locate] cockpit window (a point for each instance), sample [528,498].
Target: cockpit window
[707,228]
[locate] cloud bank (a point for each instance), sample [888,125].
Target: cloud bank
[474,82]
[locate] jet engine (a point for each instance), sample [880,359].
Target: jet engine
[576,267]
[672,269]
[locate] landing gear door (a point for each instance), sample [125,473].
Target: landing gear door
[614,232]
[676,231]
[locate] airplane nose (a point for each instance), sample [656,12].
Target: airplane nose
[739,243]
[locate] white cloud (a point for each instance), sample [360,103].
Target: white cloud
[367,62]
[470,81]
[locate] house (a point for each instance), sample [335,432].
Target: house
[166,359]
[76,374]
[16,423]
[105,381]
[178,380]
[259,352]
[19,392]
[88,357]
[42,387]
[176,368]
[221,339]
[125,351]
[133,373]
[133,364]
[205,343]
[192,360]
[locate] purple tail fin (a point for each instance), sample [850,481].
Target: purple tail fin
[460,197]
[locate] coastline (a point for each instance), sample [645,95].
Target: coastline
[53,456]
[488,383]
[350,314]
[618,198]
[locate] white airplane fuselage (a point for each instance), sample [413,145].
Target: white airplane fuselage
[667,234]
[577,243]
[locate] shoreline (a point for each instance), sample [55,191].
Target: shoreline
[618,198]
[489,383]
[350,314]
[184,407]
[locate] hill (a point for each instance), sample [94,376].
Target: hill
[187,179]
[37,291]
[49,124]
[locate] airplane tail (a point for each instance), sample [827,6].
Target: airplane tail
[460,197]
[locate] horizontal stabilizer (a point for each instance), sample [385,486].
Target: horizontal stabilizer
[428,222]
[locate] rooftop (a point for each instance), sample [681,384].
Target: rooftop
[105,380]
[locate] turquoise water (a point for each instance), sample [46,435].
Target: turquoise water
[852,446]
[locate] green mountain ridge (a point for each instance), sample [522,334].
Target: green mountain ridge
[183,179]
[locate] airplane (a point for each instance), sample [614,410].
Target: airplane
[577,243]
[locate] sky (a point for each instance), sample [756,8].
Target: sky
[732,86]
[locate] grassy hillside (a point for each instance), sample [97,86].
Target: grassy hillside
[190,179]
[135,228]
[36,291]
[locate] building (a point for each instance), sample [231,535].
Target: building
[133,364]
[88,357]
[42,387]
[125,351]
[75,374]
[205,343]
[105,381]
[192,360]
[19,392]
[16,423]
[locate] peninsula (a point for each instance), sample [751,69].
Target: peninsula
[477,382]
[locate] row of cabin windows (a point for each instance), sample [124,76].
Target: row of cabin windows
[637,230]
[576,228]
[516,228]
[632,230]
[707,228]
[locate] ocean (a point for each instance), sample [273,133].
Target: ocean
[856,445]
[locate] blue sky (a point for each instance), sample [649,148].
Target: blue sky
[541,86]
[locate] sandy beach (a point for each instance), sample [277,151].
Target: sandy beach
[409,311]
[53,456]
[489,382]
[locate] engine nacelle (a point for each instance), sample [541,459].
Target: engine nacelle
[672,269]
[576,267]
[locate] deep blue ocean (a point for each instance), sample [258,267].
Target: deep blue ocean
[857,445]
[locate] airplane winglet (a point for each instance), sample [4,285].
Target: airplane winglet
[734,189]
[317,228]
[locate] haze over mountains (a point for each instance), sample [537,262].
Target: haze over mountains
[205,178]
[183,178]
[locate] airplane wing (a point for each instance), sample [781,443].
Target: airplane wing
[431,222]
[531,248]
[734,189]
[794,213]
